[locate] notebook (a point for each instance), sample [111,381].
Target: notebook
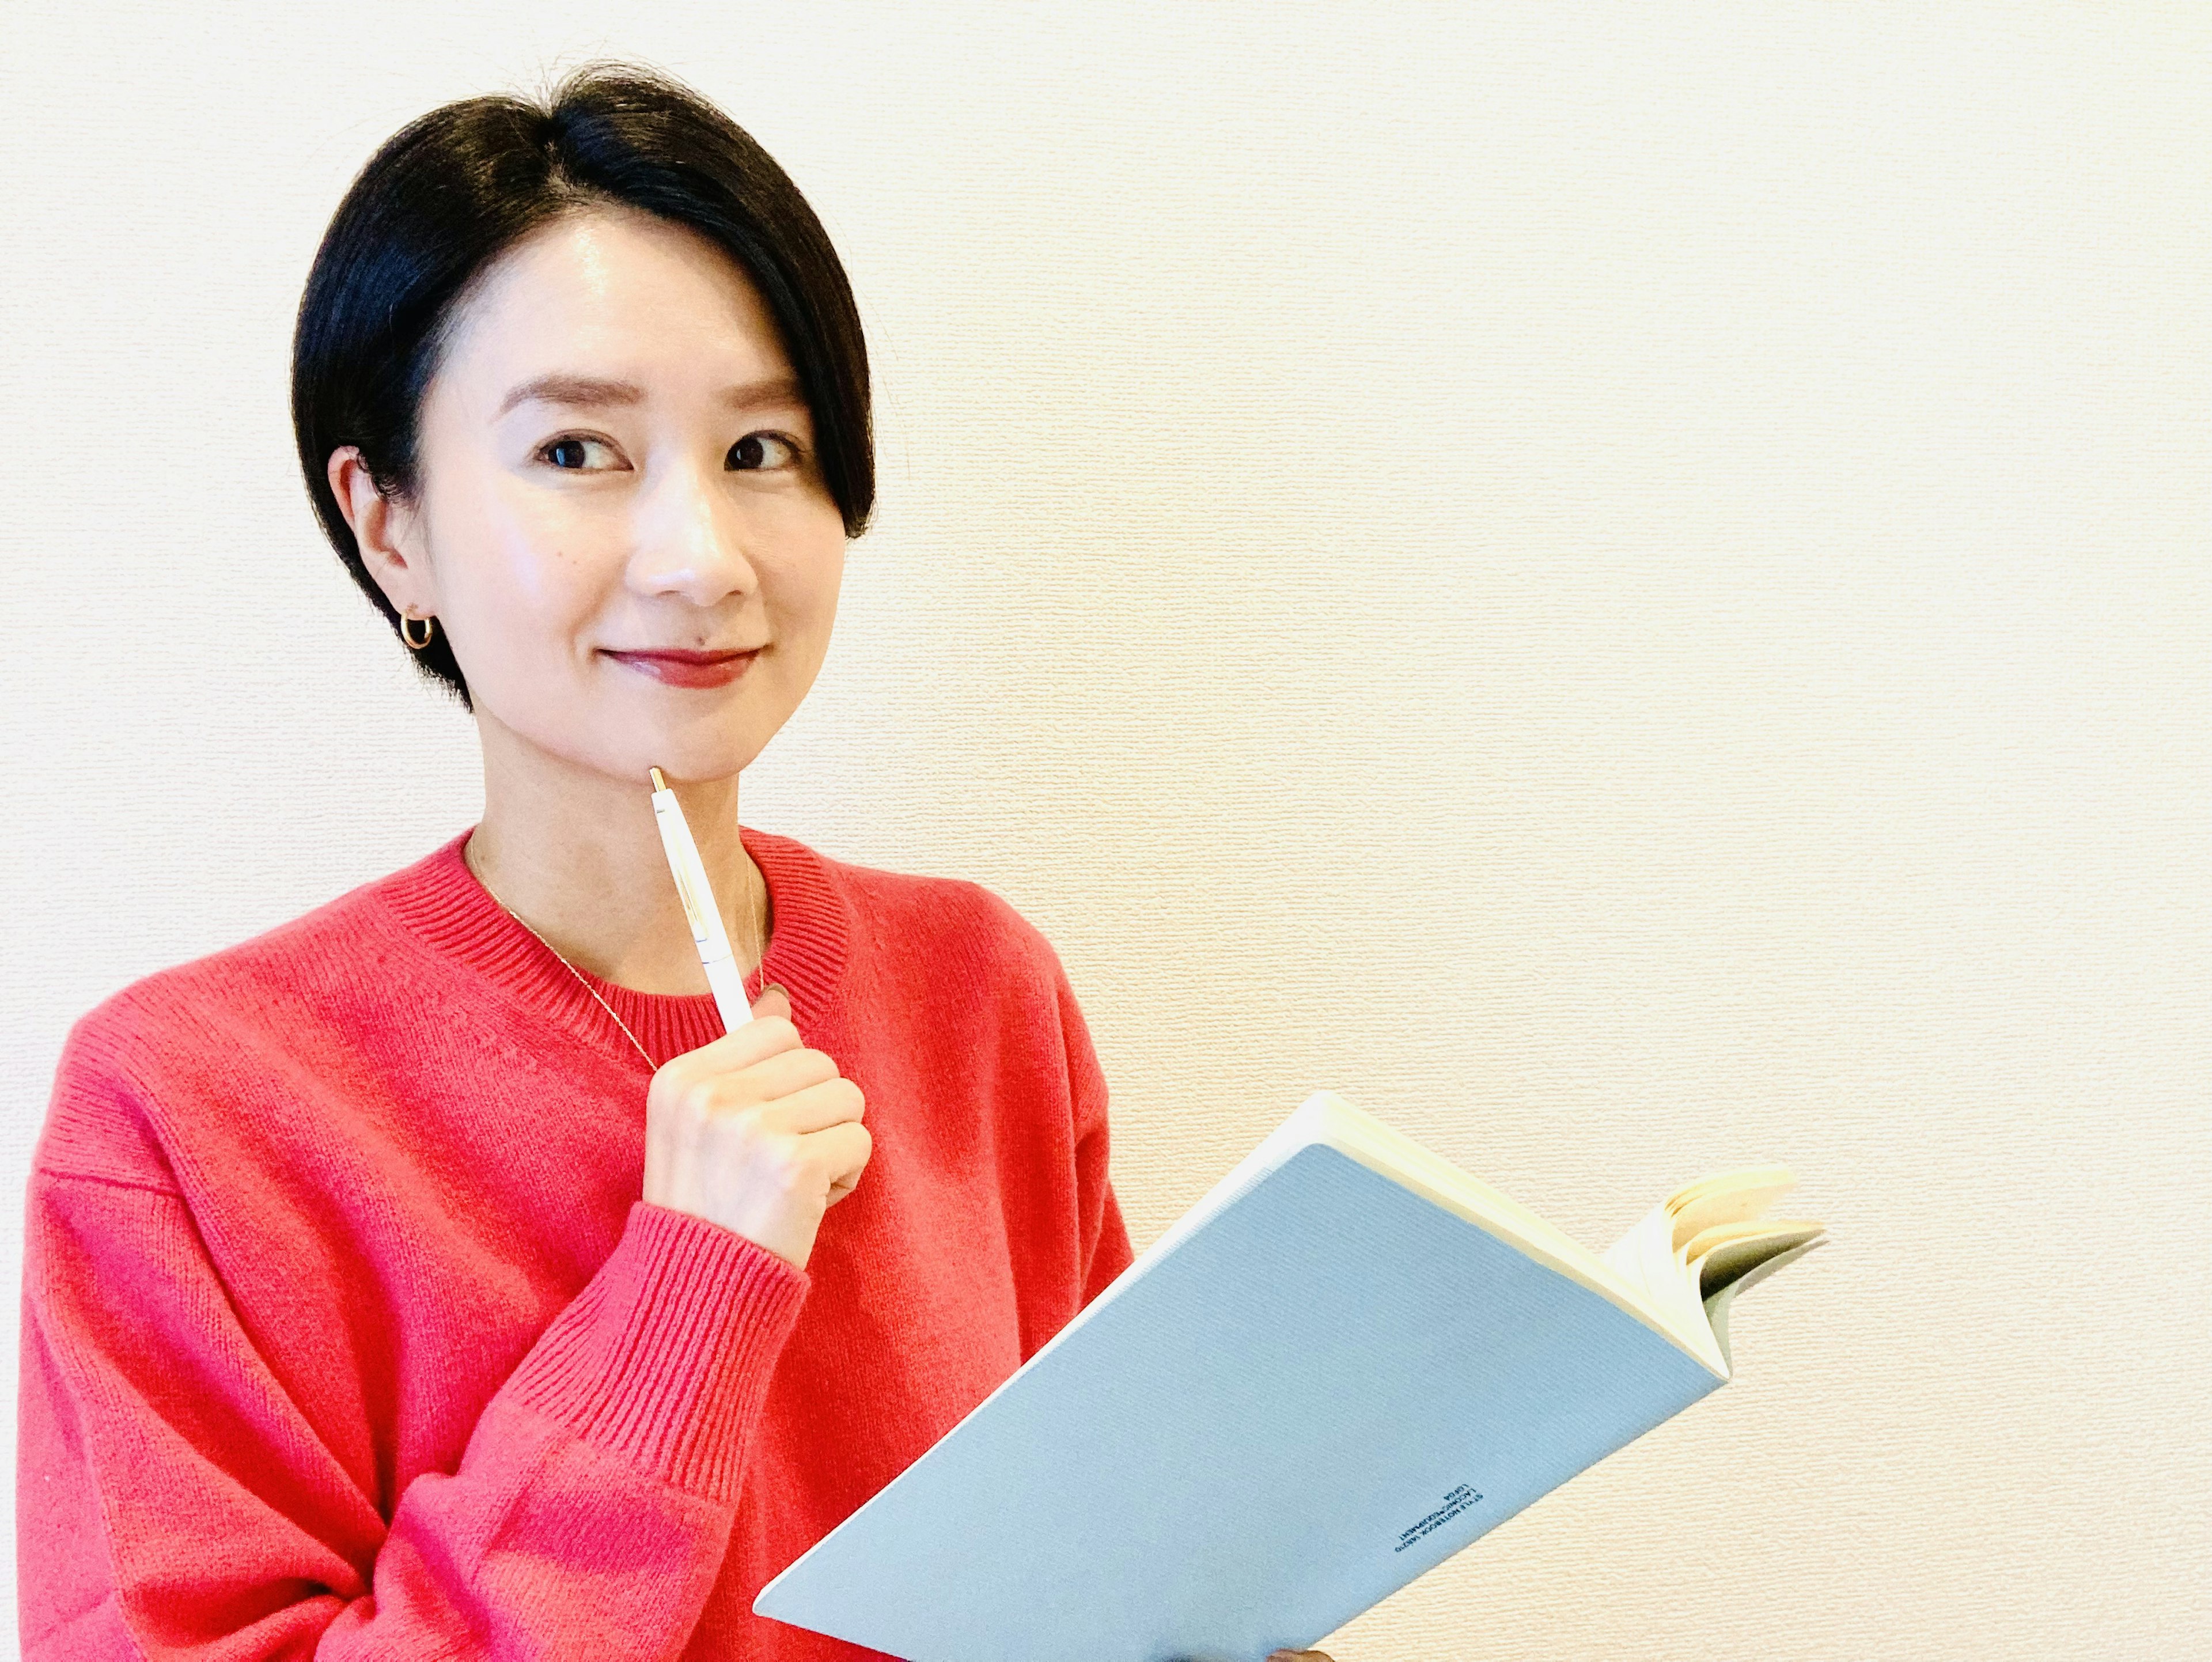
[1343,1364]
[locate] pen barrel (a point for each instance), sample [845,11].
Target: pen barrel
[724,977]
[728,982]
[700,910]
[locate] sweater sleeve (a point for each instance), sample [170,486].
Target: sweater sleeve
[173,1501]
[1105,1238]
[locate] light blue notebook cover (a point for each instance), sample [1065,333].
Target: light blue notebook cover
[1271,1421]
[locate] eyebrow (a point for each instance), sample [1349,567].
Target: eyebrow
[594,392]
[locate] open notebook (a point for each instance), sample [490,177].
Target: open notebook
[1344,1363]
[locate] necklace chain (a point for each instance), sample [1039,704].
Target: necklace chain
[759,956]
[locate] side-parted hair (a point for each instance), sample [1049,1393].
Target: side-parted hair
[452,189]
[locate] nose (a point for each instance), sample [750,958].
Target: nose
[690,539]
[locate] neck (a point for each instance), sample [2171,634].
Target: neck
[577,856]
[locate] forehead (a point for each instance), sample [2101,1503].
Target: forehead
[611,291]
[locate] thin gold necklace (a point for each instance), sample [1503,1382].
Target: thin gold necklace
[760,954]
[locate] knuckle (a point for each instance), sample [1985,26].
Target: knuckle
[794,1171]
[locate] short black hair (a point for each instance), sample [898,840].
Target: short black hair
[456,186]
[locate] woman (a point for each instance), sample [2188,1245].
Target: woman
[432,1274]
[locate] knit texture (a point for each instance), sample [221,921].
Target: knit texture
[345,1331]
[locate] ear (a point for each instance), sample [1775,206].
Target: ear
[388,532]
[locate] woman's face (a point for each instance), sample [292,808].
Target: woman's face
[615,459]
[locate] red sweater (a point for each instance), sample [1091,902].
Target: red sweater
[346,1333]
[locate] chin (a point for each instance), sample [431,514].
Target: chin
[680,775]
[687,759]
[690,758]
[621,737]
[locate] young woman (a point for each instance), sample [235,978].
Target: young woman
[431,1276]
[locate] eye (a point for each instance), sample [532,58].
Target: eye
[758,451]
[571,445]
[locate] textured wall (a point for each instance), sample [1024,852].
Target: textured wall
[1625,586]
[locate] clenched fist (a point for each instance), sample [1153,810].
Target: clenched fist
[755,1132]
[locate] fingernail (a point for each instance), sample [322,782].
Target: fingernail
[773,987]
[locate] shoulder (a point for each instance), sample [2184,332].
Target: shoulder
[953,924]
[147,1049]
[276,973]
[978,982]
[945,912]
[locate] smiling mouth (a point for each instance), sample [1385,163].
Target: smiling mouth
[682,666]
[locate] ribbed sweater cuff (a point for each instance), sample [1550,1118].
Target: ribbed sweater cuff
[664,1357]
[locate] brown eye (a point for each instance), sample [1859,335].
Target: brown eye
[572,453]
[763,450]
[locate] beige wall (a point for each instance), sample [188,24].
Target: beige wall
[1625,586]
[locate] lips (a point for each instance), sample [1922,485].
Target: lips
[681,667]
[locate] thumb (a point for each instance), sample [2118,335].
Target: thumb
[772,1002]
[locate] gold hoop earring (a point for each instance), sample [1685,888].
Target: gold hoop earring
[429,628]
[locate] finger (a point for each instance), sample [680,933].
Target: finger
[815,1107]
[753,1041]
[843,1153]
[775,1077]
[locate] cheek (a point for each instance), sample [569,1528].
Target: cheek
[530,572]
[539,556]
[543,552]
[816,573]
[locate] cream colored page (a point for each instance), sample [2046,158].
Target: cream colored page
[1730,1197]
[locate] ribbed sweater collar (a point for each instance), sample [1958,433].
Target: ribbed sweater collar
[440,900]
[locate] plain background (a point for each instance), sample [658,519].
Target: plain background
[1627,585]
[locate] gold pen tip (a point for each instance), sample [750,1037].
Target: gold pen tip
[658,783]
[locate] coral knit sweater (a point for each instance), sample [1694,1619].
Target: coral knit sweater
[346,1332]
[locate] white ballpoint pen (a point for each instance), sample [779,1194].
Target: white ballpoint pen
[727,980]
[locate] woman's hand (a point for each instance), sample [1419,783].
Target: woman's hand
[1297,1656]
[756,1132]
